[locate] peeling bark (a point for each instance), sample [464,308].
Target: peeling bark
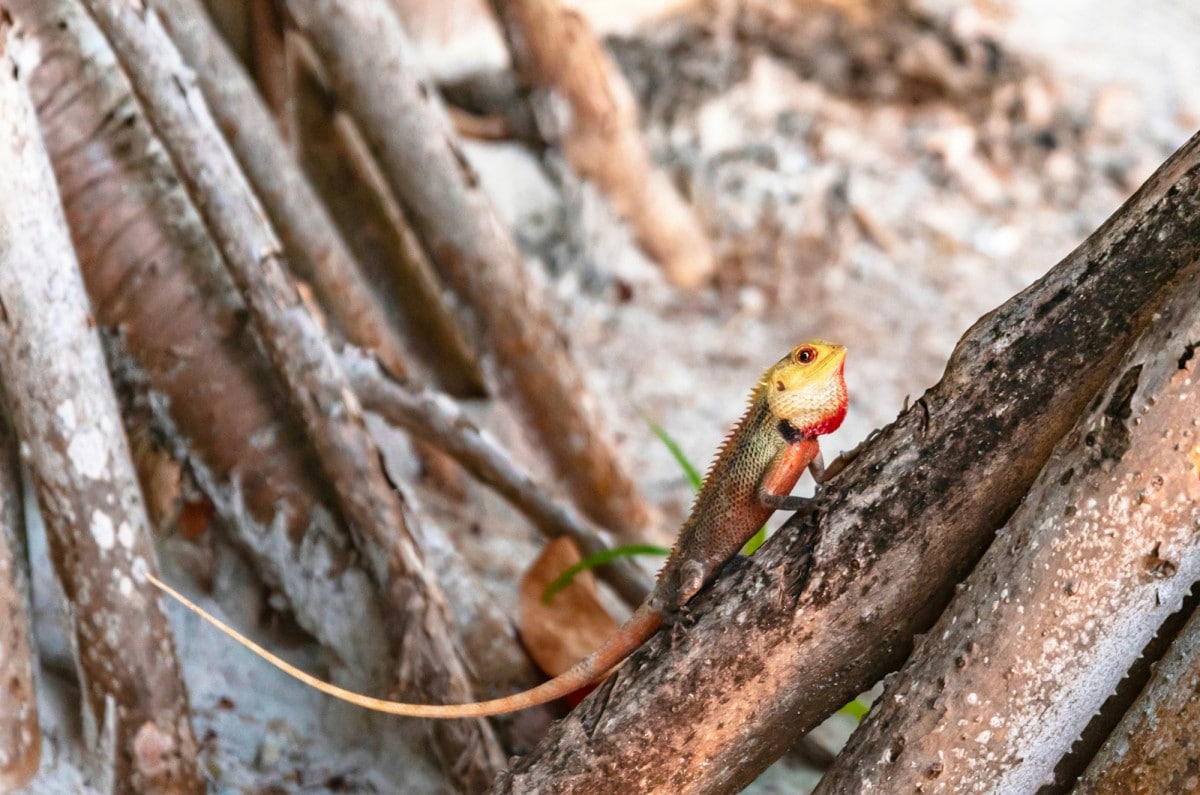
[556,53]
[66,416]
[432,668]
[1156,747]
[361,46]
[20,735]
[1104,547]
[833,601]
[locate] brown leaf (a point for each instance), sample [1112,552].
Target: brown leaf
[574,624]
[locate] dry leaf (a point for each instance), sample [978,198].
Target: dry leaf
[574,624]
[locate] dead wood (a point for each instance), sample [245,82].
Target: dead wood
[415,611]
[833,601]
[1103,548]
[585,106]
[66,417]
[437,419]
[361,46]
[332,152]
[152,272]
[20,736]
[311,241]
[1155,748]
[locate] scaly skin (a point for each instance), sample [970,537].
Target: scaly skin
[797,400]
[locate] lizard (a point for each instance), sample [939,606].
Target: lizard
[798,399]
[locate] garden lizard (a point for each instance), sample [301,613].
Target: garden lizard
[801,397]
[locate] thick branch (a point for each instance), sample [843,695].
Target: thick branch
[66,416]
[556,53]
[20,736]
[432,668]
[360,44]
[832,602]
[1156,747]
[436,419]
[1101,551]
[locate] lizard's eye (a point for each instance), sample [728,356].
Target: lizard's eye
[806,355]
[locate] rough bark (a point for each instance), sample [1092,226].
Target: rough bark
[432,668]
[20,736]
[1156,747]
[436,419]
[66,416]
[833,601]
[152,271]
[1103,548]
[361,46]
[584,99]
[331,150]
[310,240]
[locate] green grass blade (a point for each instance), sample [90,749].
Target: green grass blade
[855,709]
[598,559]
[755,541]
[693,475]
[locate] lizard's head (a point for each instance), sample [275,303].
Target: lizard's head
[807,387]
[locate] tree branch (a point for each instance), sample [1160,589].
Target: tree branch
[436,419]
[832,602]
[432,668]
[66,416]
[361,46]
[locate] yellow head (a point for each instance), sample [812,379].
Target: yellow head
[807,387]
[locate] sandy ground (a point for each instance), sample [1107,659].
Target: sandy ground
[886,226]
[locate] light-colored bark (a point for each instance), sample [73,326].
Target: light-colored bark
[361,46]
[152,271]
[1156,747]
[20,736]
[66,416]
[832,603]
[1103,548]
[584,98]
[432,668]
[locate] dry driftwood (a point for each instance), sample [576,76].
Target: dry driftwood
[415,612]
[361,46]
[311,241]
[20,735]
[833,601]
[1155,749]
[152,271]
[583,97]
[65,414]
[1103,548]
[436,418]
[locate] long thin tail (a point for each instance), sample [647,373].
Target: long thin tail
[637,630]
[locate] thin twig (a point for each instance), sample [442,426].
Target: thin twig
[436,418]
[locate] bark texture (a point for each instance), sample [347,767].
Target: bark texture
[832,602]
[1156,747]
[1104,547]
[311,241]
[361,45]
[432,667]
[152,271]
[66,416]
[586,101]
[20,735]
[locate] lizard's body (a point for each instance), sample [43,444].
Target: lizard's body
[758,465]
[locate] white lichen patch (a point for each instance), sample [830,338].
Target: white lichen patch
[125,586]
[66,414]
[102,530]
[87,452]
[125,535]
[139,569]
